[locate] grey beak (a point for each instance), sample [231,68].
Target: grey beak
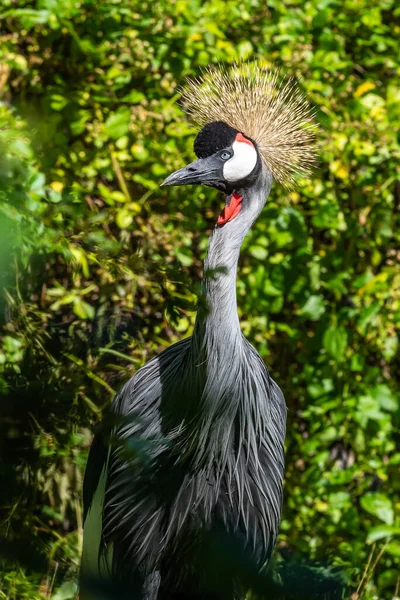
[203,170]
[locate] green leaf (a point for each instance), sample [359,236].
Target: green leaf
[357,362]
[328,435]
[372,101]
[124,218]
[258,252]
[66,592]
[380,532]
[29,17]
[83,310]
[134,97]
[58,102]
[314,308]
[270,290]
[394,548]
[388,578]
[320,388]
[379,505]
[184,259]
[367,315]
[245,49]
[390,347]
[368,408]
[384,396]
[327,216]
[335,342]
[117,124]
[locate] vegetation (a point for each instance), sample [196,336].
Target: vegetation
[99,267]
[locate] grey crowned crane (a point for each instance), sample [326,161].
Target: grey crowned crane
[208,414]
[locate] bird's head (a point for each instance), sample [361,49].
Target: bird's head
[227,160]
[256,126]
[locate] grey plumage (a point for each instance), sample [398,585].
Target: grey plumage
[198,445]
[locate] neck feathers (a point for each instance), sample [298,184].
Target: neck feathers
[219,352]
[217,321]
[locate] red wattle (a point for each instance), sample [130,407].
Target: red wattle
[232,210]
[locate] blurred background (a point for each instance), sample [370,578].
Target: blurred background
[99,267]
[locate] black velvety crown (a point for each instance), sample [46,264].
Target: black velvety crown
[213,137]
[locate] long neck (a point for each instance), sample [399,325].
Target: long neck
[217,320]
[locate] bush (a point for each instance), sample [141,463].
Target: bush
[100,267]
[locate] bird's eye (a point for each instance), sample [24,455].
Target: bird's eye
[225,155]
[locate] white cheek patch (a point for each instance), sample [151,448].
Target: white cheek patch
[242,163]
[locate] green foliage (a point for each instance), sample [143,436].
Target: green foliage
[99,266]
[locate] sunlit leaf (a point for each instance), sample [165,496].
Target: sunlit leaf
[117,123]
[313,308]
[379,505]
[335,342]
[382,532]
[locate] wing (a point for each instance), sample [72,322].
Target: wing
[111,487]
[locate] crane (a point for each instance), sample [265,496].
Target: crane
[206,411]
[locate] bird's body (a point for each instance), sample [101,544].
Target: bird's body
[197,452]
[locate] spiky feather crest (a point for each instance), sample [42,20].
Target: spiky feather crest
[263,105]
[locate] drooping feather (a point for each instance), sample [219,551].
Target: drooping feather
[262,104]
